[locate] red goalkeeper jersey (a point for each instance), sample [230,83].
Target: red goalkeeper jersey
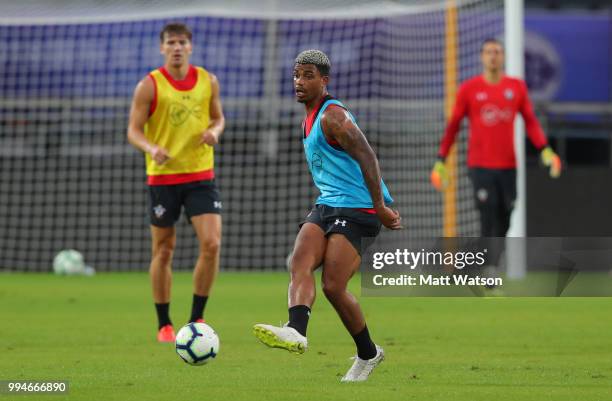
[491,109]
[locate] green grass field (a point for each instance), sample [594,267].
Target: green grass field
[99,333]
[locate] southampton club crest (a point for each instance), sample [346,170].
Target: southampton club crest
[178,113]
[509,94]
[159,211]
[482,195]
[316,161]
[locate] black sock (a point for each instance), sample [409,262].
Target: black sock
[365,347]
[298,318]
[197,307]
[163,317]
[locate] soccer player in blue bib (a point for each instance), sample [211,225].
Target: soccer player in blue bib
[353,204]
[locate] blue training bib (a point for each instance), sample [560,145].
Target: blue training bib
[335,173]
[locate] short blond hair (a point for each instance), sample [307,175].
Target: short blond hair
[316,58]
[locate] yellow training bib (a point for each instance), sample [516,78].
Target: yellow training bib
[180,113]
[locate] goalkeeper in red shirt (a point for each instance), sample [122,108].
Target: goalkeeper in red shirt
[491,101]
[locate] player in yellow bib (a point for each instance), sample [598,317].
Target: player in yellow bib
[176,119]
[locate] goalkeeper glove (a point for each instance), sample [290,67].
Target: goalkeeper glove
[550,159]
[439,176]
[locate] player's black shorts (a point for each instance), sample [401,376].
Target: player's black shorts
[354,224]
[494,195]
[166,201]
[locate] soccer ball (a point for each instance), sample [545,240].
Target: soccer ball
[69,262]
[197,343]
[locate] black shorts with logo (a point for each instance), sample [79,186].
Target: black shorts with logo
[494,195]
[354,224]
[166,201]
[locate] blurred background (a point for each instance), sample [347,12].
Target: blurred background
[568,68]
[69,179]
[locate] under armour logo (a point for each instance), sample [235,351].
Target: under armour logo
[340,222]
[159,211]
[217,204]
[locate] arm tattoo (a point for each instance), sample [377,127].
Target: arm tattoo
[338,125]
